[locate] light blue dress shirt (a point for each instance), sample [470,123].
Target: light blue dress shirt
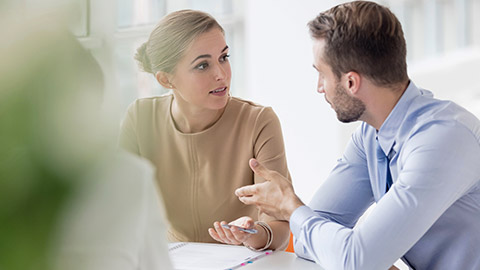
[431,214]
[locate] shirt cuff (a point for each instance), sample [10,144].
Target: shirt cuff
[298,217]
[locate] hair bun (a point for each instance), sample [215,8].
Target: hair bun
[142,58]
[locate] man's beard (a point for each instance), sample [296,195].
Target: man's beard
[348,108]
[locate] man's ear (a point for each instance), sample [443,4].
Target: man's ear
[352,82]
[164,79]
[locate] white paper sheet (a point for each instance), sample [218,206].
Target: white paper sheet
[189,255]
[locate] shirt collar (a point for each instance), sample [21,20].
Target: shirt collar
[388,130]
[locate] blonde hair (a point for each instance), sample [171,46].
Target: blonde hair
[171,38]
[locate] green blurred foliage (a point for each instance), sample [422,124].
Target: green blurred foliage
[50,133]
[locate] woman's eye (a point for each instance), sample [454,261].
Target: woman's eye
[202,66]
[224,58]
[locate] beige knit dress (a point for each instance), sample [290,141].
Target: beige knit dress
[198,173]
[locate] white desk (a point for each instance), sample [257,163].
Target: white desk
[280,260]
[218,256]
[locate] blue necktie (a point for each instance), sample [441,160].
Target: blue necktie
[384,167]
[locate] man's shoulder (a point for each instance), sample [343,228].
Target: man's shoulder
[444,113]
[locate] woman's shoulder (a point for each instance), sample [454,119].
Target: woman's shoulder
[153,101]
[249,114]
[147,104]
[246,106]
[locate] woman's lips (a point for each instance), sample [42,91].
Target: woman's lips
[219,92]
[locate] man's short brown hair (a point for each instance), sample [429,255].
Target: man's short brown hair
[364,37]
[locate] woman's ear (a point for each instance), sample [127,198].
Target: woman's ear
[164,79]
[352,81]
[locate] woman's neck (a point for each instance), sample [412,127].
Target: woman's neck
[190,119]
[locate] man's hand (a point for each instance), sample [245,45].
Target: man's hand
[274,197]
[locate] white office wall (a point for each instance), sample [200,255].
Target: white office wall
[453,76]
[279,73]
[443,47]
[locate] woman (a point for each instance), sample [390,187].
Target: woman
[200,138]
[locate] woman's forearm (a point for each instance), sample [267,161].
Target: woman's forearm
[280,234]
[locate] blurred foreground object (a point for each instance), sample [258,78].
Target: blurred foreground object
[67,198]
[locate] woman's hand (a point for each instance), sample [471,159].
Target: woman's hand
[232,236]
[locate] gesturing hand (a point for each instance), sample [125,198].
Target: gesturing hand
[274,197]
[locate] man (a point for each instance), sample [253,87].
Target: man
[417,157]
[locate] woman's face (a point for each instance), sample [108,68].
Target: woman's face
[202,77]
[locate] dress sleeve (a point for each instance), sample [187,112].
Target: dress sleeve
[434,175]
[269,148]
[128,139]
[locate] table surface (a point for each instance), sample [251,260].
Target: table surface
[282,260]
